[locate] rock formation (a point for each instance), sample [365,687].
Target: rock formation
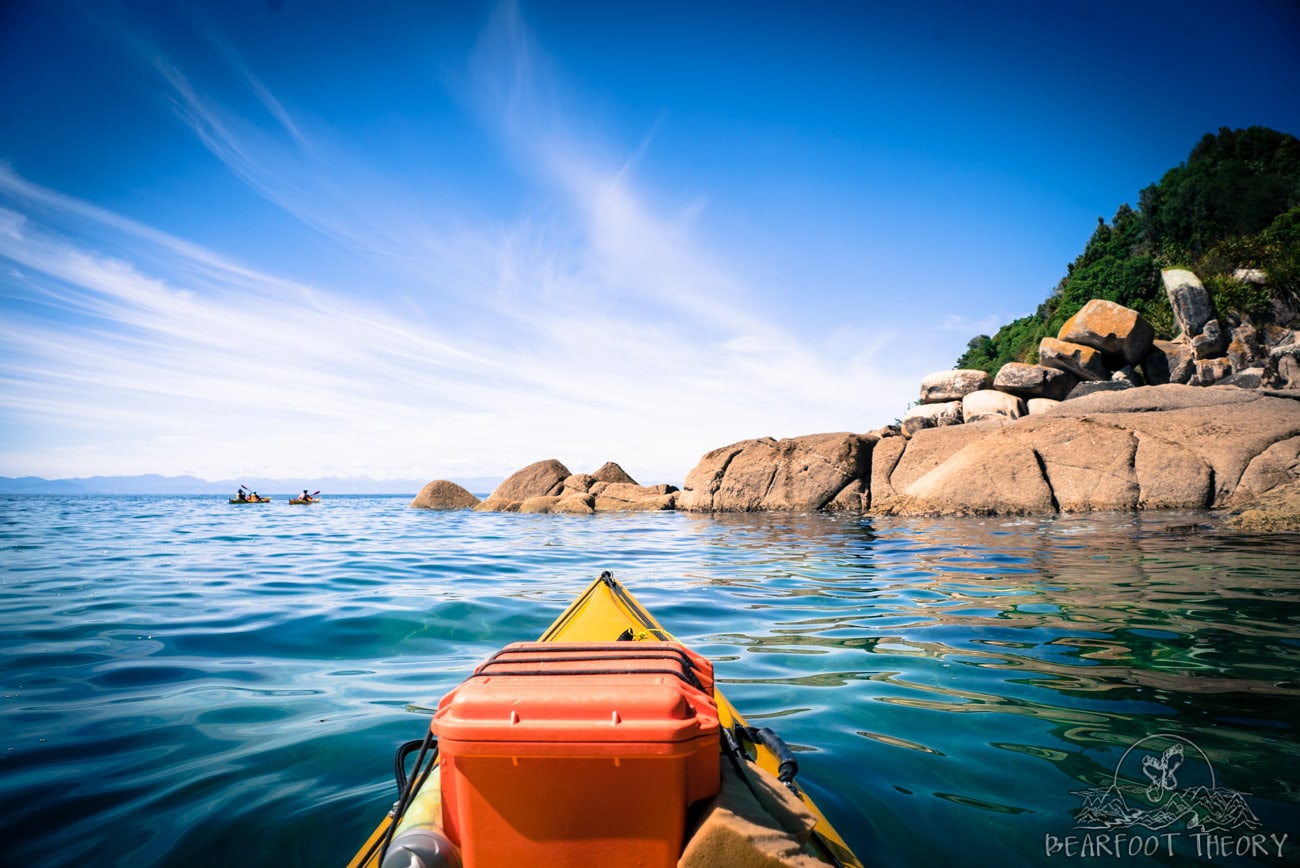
[1165,447]
[1161,447]
[548,487]
[1109,419]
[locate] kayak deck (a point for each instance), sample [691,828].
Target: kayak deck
[606,612]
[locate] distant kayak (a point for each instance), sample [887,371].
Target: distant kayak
[251,500]
[300,500]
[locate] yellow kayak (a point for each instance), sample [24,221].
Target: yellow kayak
[300,500]
[507,767]
[251,500]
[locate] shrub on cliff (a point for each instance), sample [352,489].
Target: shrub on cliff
[1234,204]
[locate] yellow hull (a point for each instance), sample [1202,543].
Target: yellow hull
[607,612]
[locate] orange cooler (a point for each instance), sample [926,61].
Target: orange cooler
[577,754]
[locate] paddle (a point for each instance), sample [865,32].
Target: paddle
[252,495]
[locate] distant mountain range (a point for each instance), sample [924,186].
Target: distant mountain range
[152,483]
[1199,808]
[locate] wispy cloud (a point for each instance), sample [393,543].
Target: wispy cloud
[589,325]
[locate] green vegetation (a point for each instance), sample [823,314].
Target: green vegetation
[1234,204]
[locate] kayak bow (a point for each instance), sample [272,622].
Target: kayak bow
[606,612]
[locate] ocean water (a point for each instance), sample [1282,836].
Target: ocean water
[184,682]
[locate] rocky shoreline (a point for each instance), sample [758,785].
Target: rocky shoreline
[1109,419]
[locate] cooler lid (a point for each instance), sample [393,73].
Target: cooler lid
[549,693]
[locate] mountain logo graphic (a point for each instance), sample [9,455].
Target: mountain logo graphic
[1164,782]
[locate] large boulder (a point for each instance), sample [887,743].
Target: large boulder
[920,416]
[1034,381]
[630,497]
[444,494]
[1210,342]
[1116,330]
[611,472]
[1282,370]
[540,479]
[944,386]
[1188,298]
[1244,349]
[1169,362]
[1086,363]
[990,402]
[1211,371]
[1151,448]
[1040,405]
[799,473]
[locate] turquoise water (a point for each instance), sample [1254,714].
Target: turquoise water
[188,683]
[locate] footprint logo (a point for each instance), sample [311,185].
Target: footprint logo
[1161,772]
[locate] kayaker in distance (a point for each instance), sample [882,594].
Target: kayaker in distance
[239,495]
[306,498]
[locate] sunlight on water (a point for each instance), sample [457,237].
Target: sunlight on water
[189,683]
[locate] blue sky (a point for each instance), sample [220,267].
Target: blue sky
[440,240]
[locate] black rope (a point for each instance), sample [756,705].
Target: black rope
[413,785]
[399,762]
